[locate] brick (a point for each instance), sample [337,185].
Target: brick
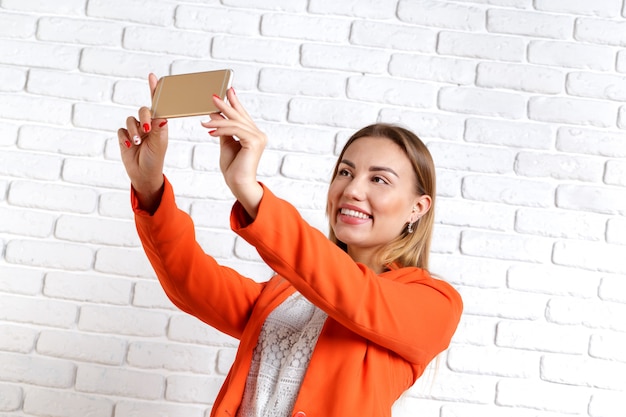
[505,246]
[225,359]
[503,303]
[26,222]
[475,215]
[608,346]
[607,404]
[621,118]
[96,231]
[8,132]
[14,79]
[441,14]
[560,224]
[433,68]
[115,204]
[601,31]
[615,173]
[122,382]
[541,395]
[553,280]
[509,133]
[157,409]
[71,7]
[571,55]
[372,9]
[167,41]
[187,329]
[601,86]
[217,244]
[25,369]
[335,113]
[214,214]
[310,196]
[174,357]
[473,158]
[590,255]
[266,51]
[19,26]
[481,46]
[66,404]
[193,389]
[591,142]
[344,58]
[521,77]
[298,82]
[445,240]
[596,199]
[493,361]
[151,295]
[122,321]
[397,92]
[160,12]
[101,117]
[540,337]
[125,262]
[195,184]
[218,20]
[572,111]
[89,288]
[394,36]
[616,231]
[519,4]
[308,167]
[35,108]
[16,339]
[80,31]
[582,371]
[49,254]
[621,61]
[589,313]
[34,54]
[522,192]
[54,197]
[63,141]
[20,280]
[559,166]
[82,347]
[603,8]
[532,24]
[466,388]
[471,410]
[303,27]
[69,85]
[112,62]
[131,93]
[482,101]
[10,397]
[279,5]
[449,183]
[475,330]
[30,165]
[246,76]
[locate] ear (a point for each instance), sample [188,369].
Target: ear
[421,205]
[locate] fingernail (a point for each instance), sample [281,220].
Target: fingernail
[146,127]
[217,97]
[163,123]
[212,131]
[233,90]
[127,143]
[137,140]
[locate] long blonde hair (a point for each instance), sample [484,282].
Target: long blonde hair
[408,249]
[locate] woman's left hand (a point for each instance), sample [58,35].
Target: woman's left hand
[241,147]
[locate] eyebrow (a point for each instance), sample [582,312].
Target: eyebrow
[372,168]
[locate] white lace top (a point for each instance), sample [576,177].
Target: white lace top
[281,358]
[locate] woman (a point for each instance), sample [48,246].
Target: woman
[346,325]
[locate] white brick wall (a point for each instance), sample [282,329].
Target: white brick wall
[520,101]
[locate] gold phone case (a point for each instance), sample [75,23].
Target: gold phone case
[189,94]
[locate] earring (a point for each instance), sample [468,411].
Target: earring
[409,228]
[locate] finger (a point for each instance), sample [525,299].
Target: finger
[123,138]
[236,104]
[132,125]
[152,82]
[145,119]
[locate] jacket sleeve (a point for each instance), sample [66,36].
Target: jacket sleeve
[404,310]
[193,280]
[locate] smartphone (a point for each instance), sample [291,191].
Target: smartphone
[189,94]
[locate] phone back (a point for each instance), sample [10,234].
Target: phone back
[189,94]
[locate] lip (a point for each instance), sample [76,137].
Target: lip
[351,219]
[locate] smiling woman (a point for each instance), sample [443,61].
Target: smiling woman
[347,324]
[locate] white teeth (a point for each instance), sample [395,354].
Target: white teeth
[354,213]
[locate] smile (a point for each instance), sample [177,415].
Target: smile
[354,213]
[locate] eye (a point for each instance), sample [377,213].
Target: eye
[379,180]
[343,173]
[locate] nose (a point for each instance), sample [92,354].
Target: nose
[355,189]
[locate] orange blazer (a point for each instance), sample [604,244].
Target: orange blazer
[381,332]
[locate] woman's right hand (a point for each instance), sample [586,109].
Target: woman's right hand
[143,144]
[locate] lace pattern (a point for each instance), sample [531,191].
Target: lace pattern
[281,358]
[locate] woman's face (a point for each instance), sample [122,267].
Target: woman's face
[372,197]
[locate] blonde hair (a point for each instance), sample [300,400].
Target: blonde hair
[408,249]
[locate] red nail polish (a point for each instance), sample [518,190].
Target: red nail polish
[146,127]
[217,97]
[212,131]
[163,123]
[127,143]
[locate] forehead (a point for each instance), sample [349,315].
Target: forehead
[377,150]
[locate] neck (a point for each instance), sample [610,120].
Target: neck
[366,257]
